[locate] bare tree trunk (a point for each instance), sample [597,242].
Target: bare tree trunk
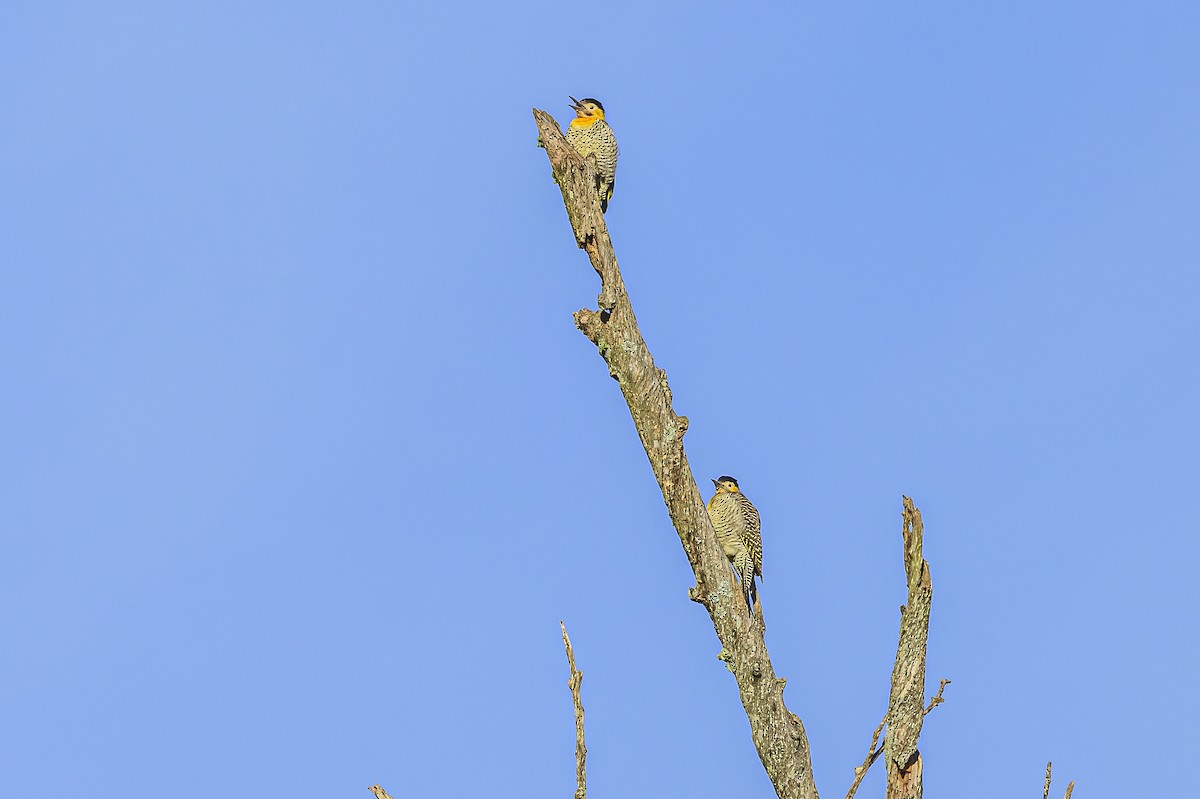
[906,707]
[778,734]
[904,718]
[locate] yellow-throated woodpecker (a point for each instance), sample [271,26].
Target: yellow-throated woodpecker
[740,532]
[589,134]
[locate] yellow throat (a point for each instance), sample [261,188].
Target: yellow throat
[586,122]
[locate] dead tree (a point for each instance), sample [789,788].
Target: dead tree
[778,734]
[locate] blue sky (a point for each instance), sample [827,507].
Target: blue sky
[304,459]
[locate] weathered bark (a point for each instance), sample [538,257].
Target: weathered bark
[778,734]
[574,684]
[904,676]
[906,706]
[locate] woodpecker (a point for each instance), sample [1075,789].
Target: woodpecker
[740,532]
[589,134]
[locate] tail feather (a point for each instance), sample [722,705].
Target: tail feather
[745,571]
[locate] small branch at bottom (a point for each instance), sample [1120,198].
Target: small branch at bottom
[574,683]
[872,755]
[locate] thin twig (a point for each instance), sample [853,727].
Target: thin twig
[872,755]
[937,700]
[1070,789]
[379,792]
[574,683]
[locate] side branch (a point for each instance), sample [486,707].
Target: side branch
[575,681]
[906,705]
[937,699]
[778,734]
[873,753]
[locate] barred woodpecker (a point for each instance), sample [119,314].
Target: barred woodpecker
[589,134]
[739,530]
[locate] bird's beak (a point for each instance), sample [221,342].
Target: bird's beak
[575,104]
[716,484]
